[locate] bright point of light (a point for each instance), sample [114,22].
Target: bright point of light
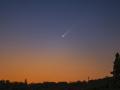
[63,36]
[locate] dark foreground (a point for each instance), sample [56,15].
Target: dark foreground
[107,83]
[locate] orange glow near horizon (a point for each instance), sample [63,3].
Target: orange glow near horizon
[45,66]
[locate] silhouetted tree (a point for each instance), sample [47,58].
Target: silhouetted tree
[116,67]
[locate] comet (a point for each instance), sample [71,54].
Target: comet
[67,31]
[65,34]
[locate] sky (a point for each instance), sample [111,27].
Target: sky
[58,40]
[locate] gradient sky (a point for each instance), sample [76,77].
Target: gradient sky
[32,46]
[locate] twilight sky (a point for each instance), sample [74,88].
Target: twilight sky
[58,40]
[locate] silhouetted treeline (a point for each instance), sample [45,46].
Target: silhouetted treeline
[107,83]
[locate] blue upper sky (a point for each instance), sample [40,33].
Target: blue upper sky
[91,20]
